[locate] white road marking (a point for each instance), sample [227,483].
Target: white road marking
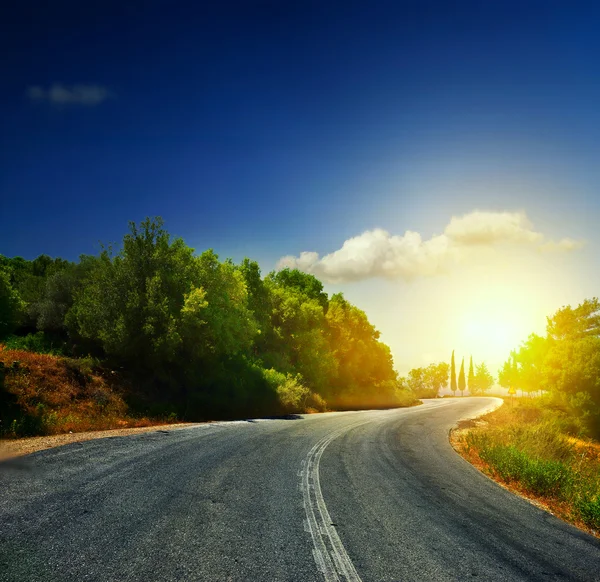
[330,555]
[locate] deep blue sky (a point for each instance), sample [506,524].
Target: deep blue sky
[267,128]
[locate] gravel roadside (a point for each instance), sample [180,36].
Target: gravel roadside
[17,447]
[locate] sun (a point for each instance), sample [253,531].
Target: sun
[491,335]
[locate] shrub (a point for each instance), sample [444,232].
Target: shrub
[315,403]
[292,394]
[589,511]
[45,394]
[35,342]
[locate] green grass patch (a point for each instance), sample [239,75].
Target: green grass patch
[540,449]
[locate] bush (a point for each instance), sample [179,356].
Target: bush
[589,511]
[537,475]
[406,398]
[292,394]
[315,403]
[38,342]
[40,421]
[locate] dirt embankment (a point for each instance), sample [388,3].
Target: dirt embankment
[54,400]
[17,447]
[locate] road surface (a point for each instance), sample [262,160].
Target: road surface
[373,495]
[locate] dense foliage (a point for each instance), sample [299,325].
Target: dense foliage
[565,363]
[427,382]
[198,336]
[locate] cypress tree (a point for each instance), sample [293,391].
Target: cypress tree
[453,375]
[461,378]
[472,387]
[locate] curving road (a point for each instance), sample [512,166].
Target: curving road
[373,495]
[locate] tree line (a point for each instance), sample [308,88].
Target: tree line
[196,335]
[427,382]
[564,364]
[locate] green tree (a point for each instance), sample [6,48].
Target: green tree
[305,283]
[258,299]
[416,382]
[508,375]
[131,303]
[298,340]
[530,360]
[572,374]
[471,381]
[28,279]
[570,324]
[11,306]
[483,379]
[427,382]
[461,378]
[437,376]
[453,385]
[230,325]
[364,365]
[563,361]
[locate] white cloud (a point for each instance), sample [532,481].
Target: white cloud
[377,253]
[486,228]
[59,94]
[564,244]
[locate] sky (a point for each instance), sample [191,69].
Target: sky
[437,162]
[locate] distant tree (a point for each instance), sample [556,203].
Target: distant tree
[483,379]
[427,382]
[461,378]
[517,374]
[472,384]
[531,358]
[416,382]
[437,376]
[453,375]
[507,375]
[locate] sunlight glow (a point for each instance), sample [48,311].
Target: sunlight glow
[490,335]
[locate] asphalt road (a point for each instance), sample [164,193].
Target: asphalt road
[374,495]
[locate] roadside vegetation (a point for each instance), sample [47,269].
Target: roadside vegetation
[152,330]
[546,444]
[538,449]
[47,394]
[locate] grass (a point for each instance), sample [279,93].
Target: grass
[43,394]
[537,450]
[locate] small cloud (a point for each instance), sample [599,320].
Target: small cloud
[377,253]
[487,228]
[565,244]
[58,94]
